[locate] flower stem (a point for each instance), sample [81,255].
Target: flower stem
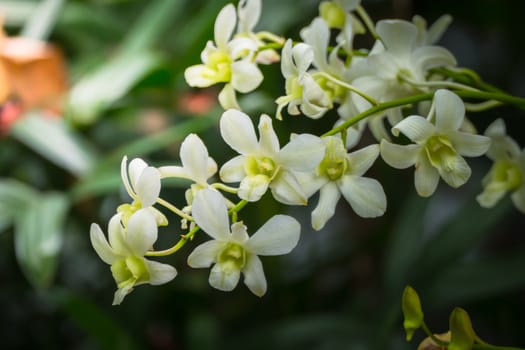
[174,209]
[368,21]
[182,241]
[346,86]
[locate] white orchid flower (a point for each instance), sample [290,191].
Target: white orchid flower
[262,164]
[232,251]
[438,148]
[338,14]
[397,67]
[142,182]
[197,165]
[125,252]
[508,171]
[302,91]
[342,173]
[226,61]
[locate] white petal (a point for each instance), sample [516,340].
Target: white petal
[210,212]
[227,98]
[428,57]
[469,145]
[426,177]
[489,197]
[361,160]
[303,57]
[224,26]
[310,183]
[121,293]
[101,245]
[174,171]
[248,12]
[450,110]
[277,236]
[288,68]
[398,36]
[238,131]
[254,277]
[365,195]
[135,168]
[268,141]
[223,277]
[437,28]
[318,37]
[416,128]
[160,273]
[252,188]
[239,233]
[125,178]
[384,65]
[303,153]
[148,186]
[328,198]
[287,190]
[141,232]
[399,156]
[199,75]
[205,254]
[246,76]
[194,157]
[116,237]
[233,170]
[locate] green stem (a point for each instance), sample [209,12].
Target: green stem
[225,188]
[346,86]
[182,241]
[368,22]
[432,336]
[174,209]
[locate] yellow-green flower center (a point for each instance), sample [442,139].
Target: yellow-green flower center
[293,88]
[441,153]
[128,210]
[332,13]
[220,67]
[332,89]
[132,269]
[260,166]
[334,164]
[232,257]
[507,175]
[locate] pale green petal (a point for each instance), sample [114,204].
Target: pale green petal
[469,145]
[456,173]
[125,178]
[227,98]
[160,273]
[210,212]
[426,177]
[101,245]
[328,198]
[246,76]
[116,237]
[121,293]
[450,110]
[489,197]
[224,277]
[398,36]
[253,187]
[205,254]
[224,26]
[365,195]
[361,160]
[303,153]
[288,68]
[160,218]
[233,170]
[200,75]
[141,232]
[254,277]
[416,128]
[438,28]
[277,236]
[194,157]
[174,171]
[428,57]
[399,156]
[239,233]
[268,141]
[518,198]
[287,190]
[238,131]
[148,186]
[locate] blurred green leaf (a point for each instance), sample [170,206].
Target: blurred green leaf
[14,197]
[474,280]
[92,320]
[42,20]
[38,237]
[55,141]
[464,231]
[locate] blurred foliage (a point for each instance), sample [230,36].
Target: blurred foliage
[339,289]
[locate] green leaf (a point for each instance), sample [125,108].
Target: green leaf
[98,90]
[38,237]
[93,320]
[55,141]
[42,20]
[14,198]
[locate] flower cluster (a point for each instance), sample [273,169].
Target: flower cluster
[403,90]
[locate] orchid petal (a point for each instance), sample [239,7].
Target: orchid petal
[254,277]
[223,277]
[469,145]
[194,156]
[287,190]
[205,255]
[141,232]
[303,153]
[101,245]
[160,273]
[227,98]
[277,236]
[268,141]
[210,212]
[246,76]
[224,26]
[366,196]
[233,170]
[426,177]
[148,186]
[238,131]
[450,110]
[416,128]
[361,160]
[328,198]
[399,156]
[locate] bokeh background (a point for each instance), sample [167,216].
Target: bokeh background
[339,289]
